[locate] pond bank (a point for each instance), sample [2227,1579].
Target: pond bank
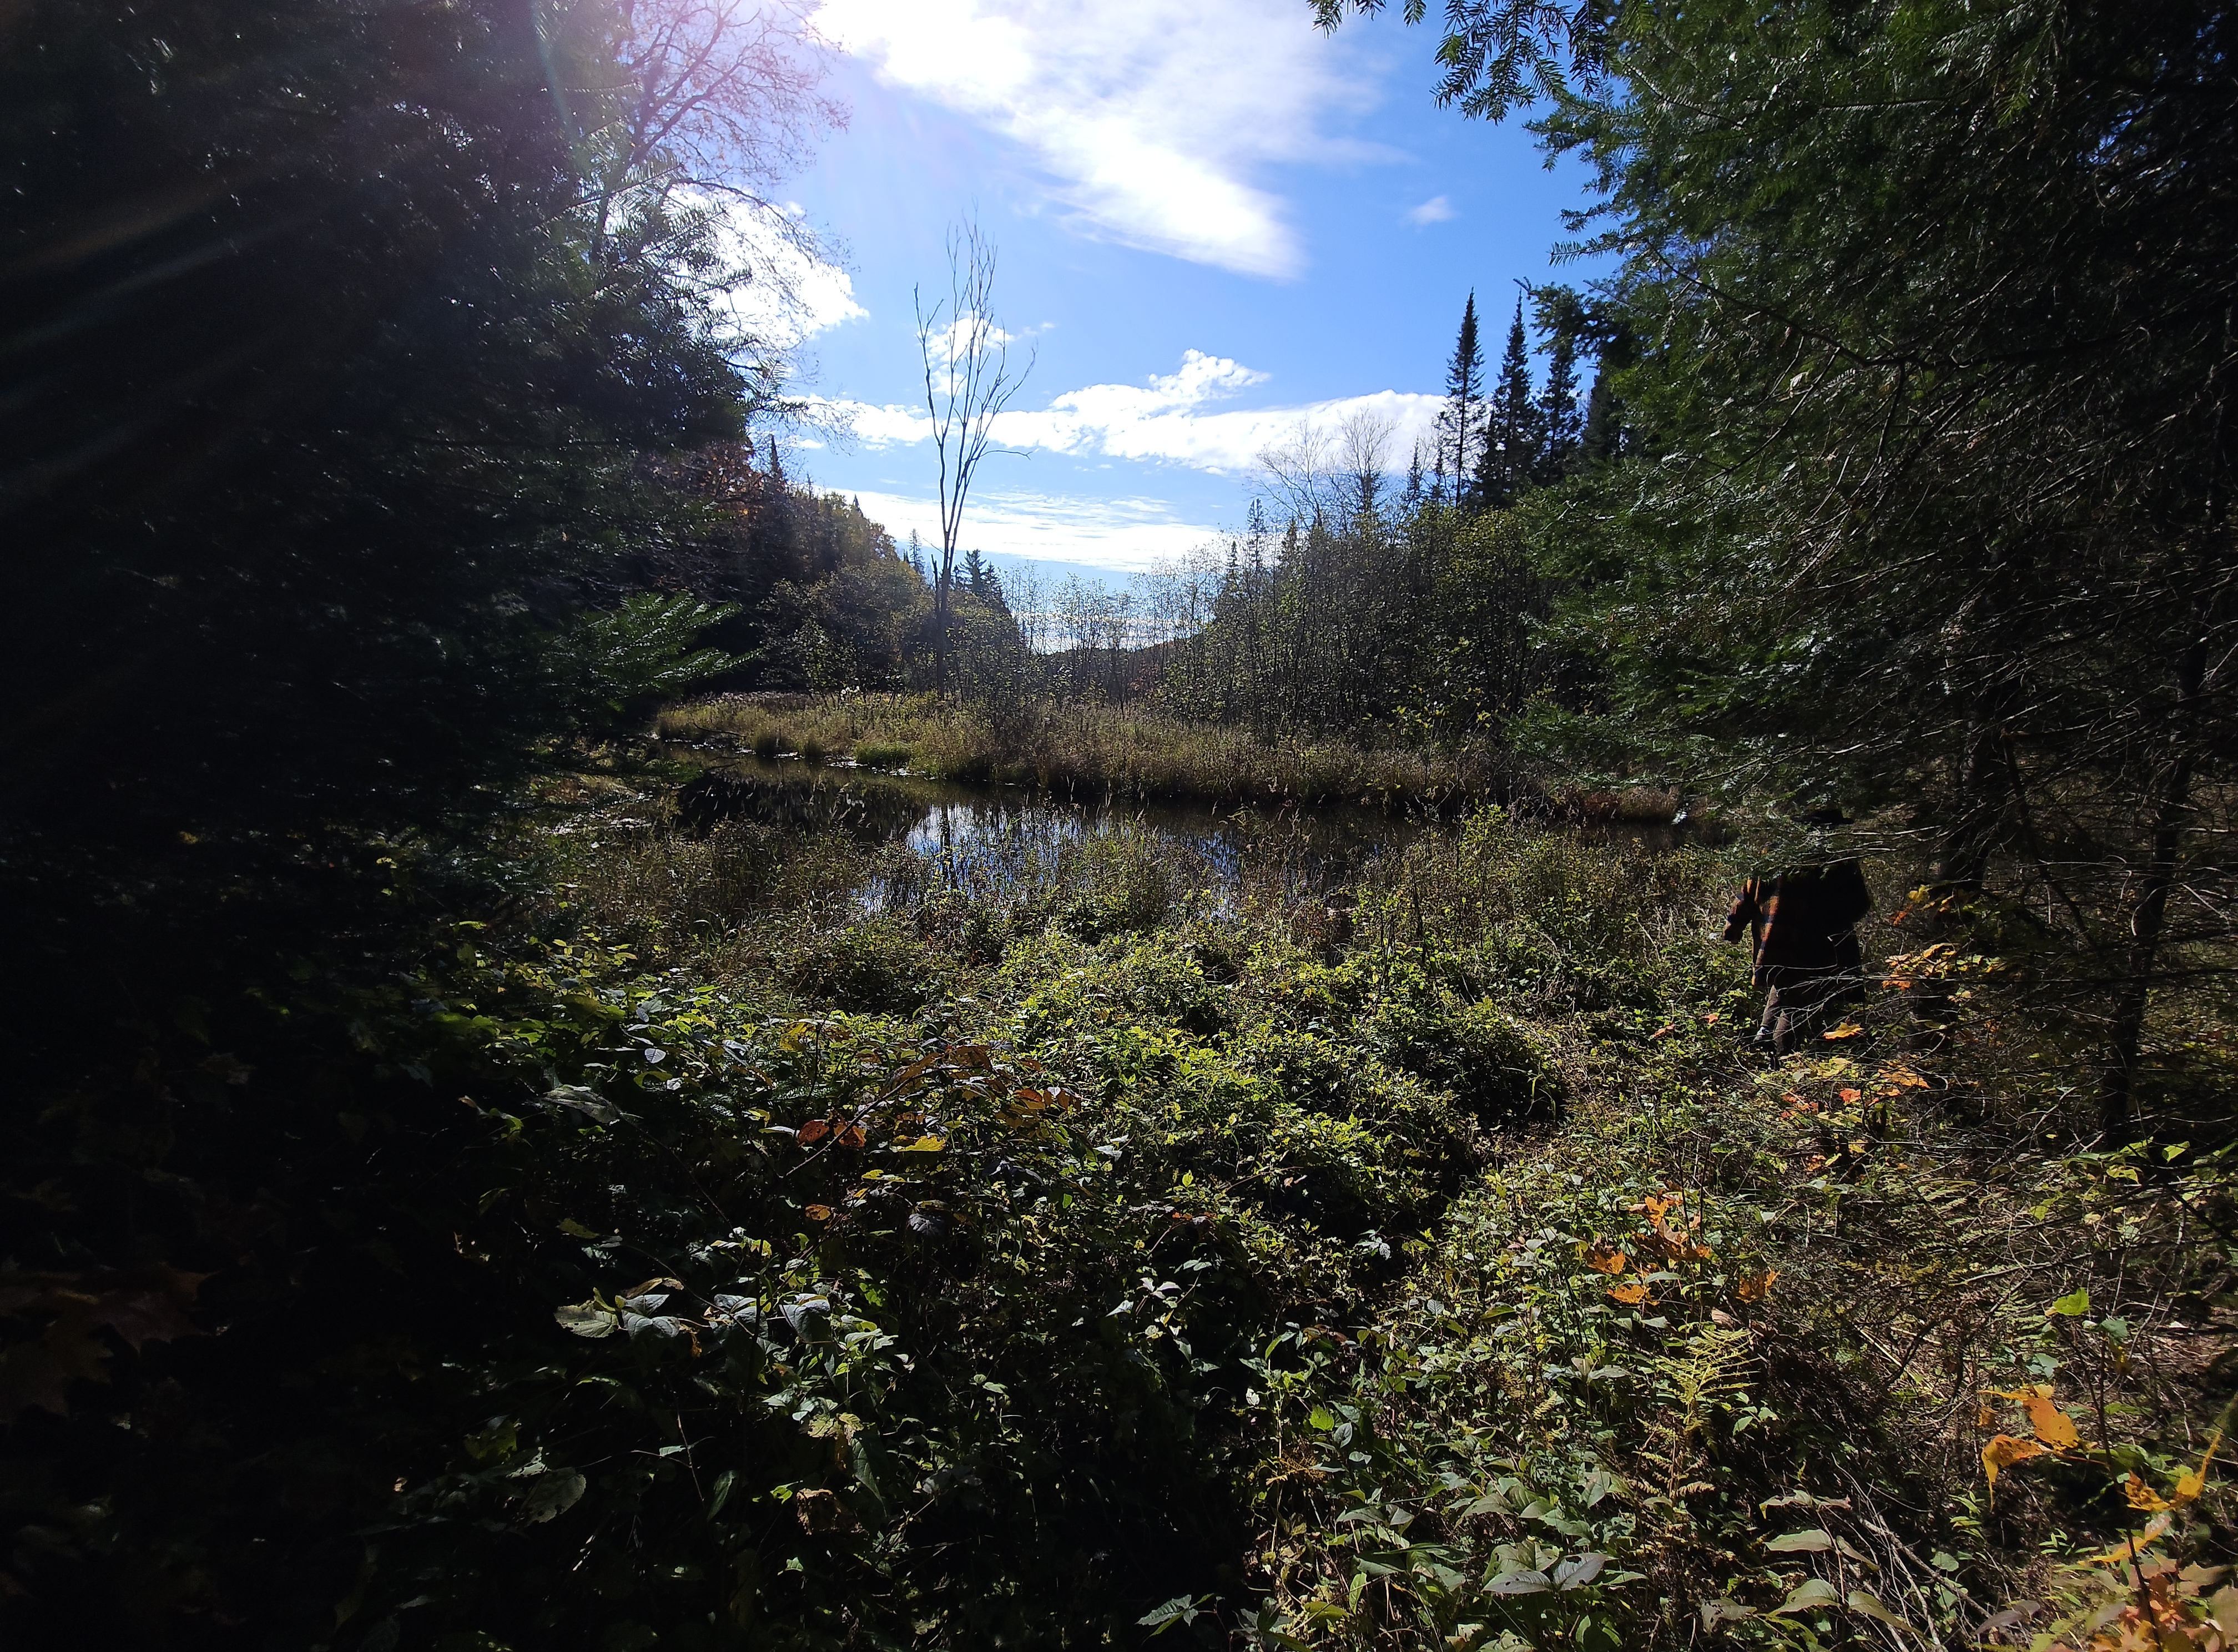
[1089,753]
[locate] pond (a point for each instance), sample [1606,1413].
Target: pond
[995,835]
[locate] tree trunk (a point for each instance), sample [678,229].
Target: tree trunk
[2150,918]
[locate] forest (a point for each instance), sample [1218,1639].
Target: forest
[609,1055]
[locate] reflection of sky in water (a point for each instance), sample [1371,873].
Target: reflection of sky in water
[989,841]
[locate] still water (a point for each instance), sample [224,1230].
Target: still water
[995,835]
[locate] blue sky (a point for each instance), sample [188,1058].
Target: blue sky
[1213,221]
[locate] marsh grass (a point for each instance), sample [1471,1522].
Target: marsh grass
[1406,1112]
[1080,750]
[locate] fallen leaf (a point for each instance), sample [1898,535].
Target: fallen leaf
[1852,1097]
[1757,1289]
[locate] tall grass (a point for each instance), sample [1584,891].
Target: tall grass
[1079,751]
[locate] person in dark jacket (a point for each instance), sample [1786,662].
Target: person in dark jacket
[1802,926]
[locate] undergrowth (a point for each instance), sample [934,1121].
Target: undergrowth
[757,1238]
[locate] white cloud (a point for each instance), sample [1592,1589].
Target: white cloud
[1131,535]
[793,293]
[1170,419]
[1436,209]
[1153,118]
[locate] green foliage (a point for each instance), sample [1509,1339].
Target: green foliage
[625,660]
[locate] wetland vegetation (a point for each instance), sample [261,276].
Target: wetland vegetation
[602,1060]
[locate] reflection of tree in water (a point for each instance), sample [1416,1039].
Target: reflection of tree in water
[988,841]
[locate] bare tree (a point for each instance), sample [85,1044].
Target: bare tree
[1363,444]
[967,382]
[716,98]
[1301,472]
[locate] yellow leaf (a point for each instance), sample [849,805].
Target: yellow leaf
[1847,1030]
[2005,1452]
[1605,1258]
[2122,1553]
[2053,1426]
[1985,1416]
[2142,1496]
[925,1145]
[1632,1295]
[1758,1289]
[819,1213]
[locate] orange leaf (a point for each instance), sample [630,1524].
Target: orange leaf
[2005,1452]
[1711,1017]
[2053,1426]
[1852,1097]
[851,1136]
[814,1131]
[1606,1258]
[1632,1295]
[2142,1496]
[1847,1030]
[1758,1289]
[819,1213]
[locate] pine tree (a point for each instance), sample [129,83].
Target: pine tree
[1602,437]
[1459,421]
[1509,460]
[1558,408]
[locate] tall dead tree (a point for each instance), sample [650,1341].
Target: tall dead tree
[967,382]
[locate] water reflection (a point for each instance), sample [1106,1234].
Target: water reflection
[996,838]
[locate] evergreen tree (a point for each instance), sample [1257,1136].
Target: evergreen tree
[1509,460]
[1558,424]
[1459,421]
[1602,437]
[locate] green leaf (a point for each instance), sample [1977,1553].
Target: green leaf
[1180,1609]
[2072,1305]
[721,1494]
[587,1319]
[1800,1542]
[589,1103]
[1812,1591]
[550,1494]
[1861,1601]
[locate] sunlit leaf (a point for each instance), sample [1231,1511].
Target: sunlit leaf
[1847,1030]
[1606,1259]
[587,1319]
[2127,1550]
[1632,1295]
[2141,1496]
[2005,1452]
[1756,1288]
[2072,1305]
